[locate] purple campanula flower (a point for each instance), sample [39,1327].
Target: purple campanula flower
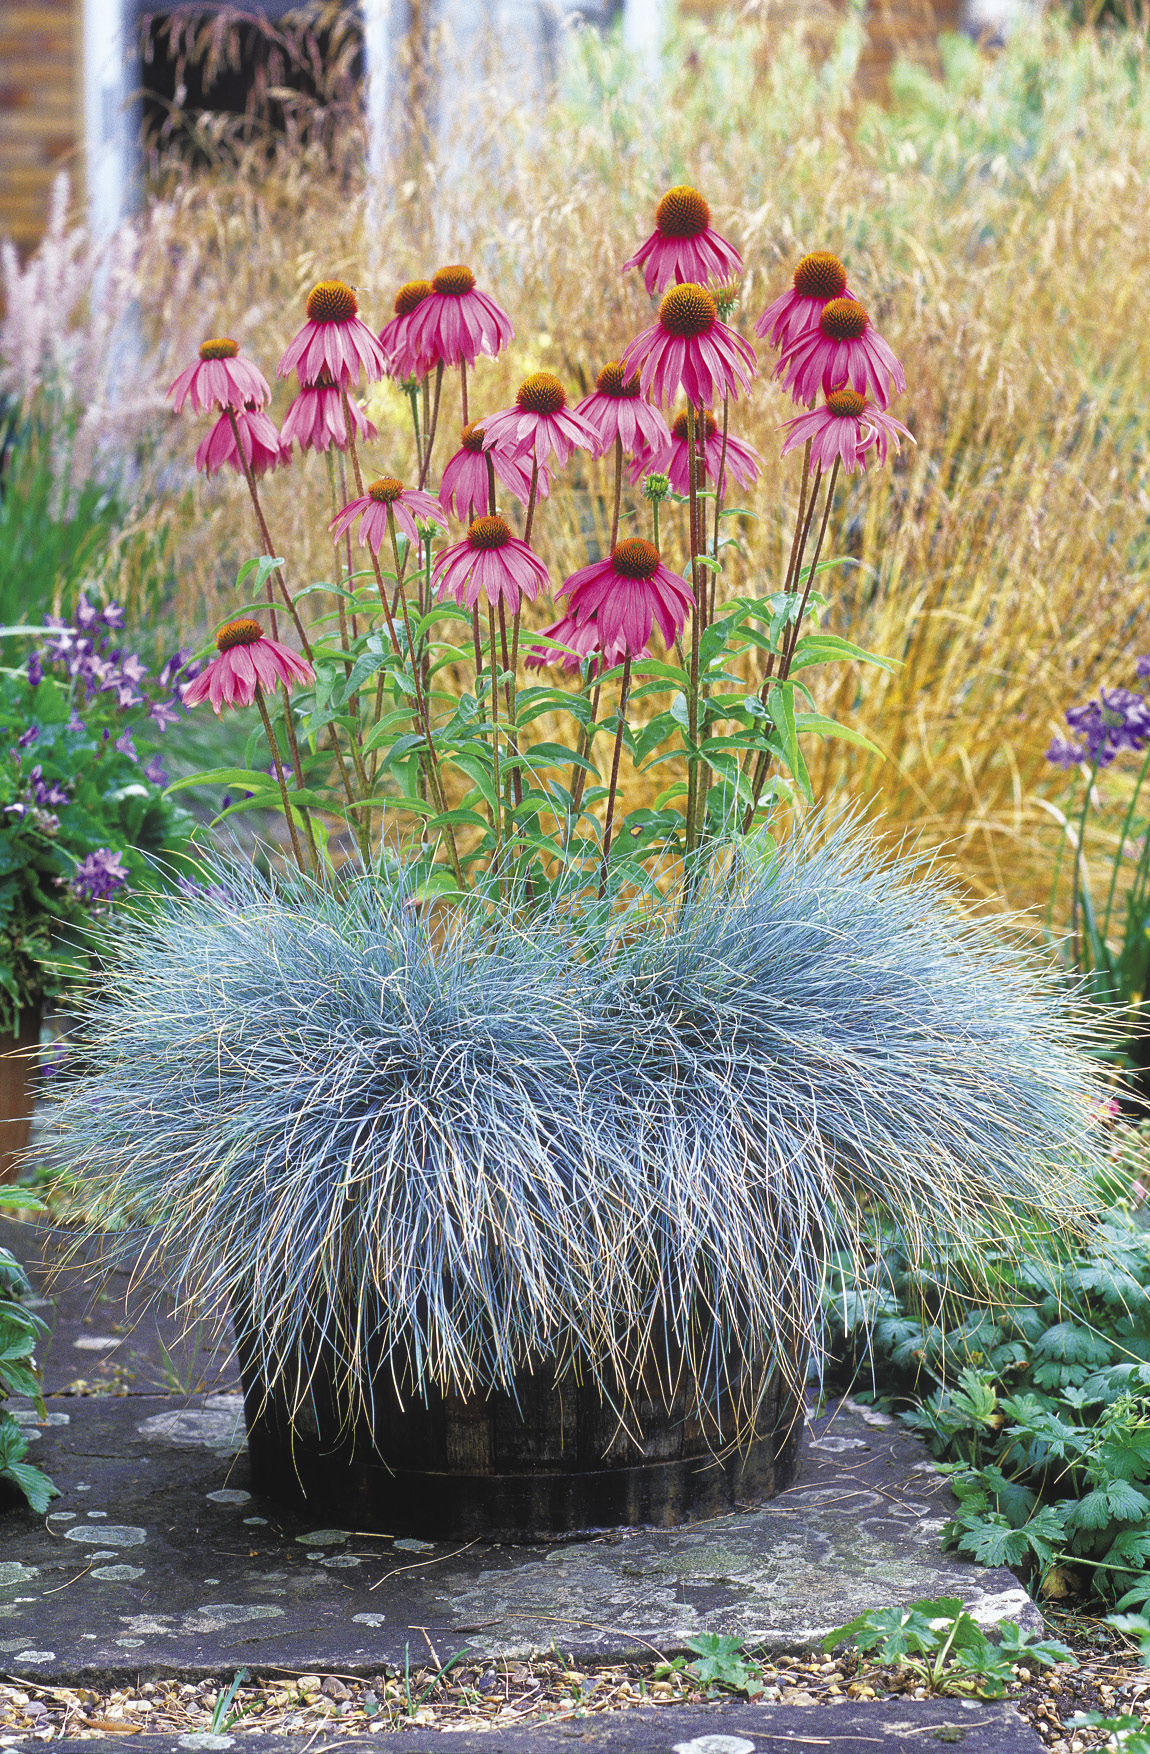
[75,722]
[28,737]
[125,745]
[1119,719]
[126,695]
[163,714]
[113,616]
[132,667]
[45,796]
[1064,754]
[35,670]
[86,616]
[99,876]
[154,771]
[61,638]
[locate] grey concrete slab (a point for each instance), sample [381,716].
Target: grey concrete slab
[895,1727]
[157,1558]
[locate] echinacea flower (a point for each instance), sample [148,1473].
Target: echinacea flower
[384,496]
[617,409]
[395,339]
[585,640]
[492,562]
[540,423]
[456,323]
[220,378]
[690,349]
[316,421]
[845,427]
[261,444]
[465,488]
[818,278]
[683,245]
[335,339]
[740,461]
[247,661]
[842,348]
[627,594]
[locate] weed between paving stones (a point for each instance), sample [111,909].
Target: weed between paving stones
[481,1695]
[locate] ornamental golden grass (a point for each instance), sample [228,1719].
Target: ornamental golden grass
[994,227]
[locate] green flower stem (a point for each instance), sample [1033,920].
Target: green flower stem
[720,484]
[788,657]
[802,522]
[423,717]
[618,493]
[608,825]
[579,774]
[463,388]
[1076,878]
[265,537]
[697,618]
[1127,821]
[497,807]
[279,772]
[426,463]
[413,398]
[531,498]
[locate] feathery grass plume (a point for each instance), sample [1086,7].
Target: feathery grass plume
[628,1136]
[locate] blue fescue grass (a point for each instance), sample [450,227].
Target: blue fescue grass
[471,1142]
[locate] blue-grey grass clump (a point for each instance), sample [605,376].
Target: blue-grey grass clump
[466,1144]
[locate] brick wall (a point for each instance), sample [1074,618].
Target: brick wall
[39,109]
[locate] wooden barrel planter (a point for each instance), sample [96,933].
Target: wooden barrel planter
[19,1066]
[552,1461]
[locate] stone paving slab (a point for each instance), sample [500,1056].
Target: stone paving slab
[158,1559]
[747,1729]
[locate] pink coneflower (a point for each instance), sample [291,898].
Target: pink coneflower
[818,278]
[492,562]
[465,488]
[261,444]
[455,323]
[627,594]
[683,245]
[842,349]
[387,494]
[617,410]
[846,426]
[248,660]
[335,339]
[741,461]
[316,419]
[586,642]
[220,378]
[691,350]
[540,423]
[395,337]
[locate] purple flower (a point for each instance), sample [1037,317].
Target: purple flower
[154,771]
[35,670]
[132,668]
[99,876]
[125,745]
[28,737]
[1064,754]
[86,616]
[61,638]
[126,695]
[113,616]
[201,891]
[164,714]
[49,797]
[1142,668]
[75,722]
[1119,719]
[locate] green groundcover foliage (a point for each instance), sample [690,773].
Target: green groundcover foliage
[1037,1403]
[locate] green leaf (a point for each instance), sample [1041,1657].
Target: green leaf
[823,648]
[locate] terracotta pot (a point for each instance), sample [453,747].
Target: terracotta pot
[549,1462]
[19,1069]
